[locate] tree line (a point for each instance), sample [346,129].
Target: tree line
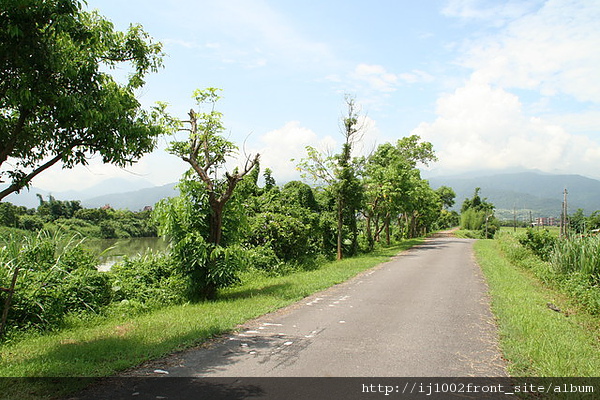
[222,218]
[70,217]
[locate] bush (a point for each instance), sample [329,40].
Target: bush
[264,258]
[540,242]
[151,280]
[289,237]
[31,222]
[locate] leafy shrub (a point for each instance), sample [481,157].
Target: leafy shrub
[540,242]
[151,280]
[475,220]
[289,237]
[31,222]
[264,258]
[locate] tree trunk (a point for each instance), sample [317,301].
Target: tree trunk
[216,223]
[340,226]
[387,230]
[413,225]
[370,240]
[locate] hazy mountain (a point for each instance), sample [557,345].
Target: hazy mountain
[133,200]
[539,192]
[28,197]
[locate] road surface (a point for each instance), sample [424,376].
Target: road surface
[425,313]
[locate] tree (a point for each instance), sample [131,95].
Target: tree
[340,172]
[206,151]
[57,103]
[194,222]
[446,195]
[393,185]
[478,214]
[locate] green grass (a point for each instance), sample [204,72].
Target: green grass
[537,341]
[106,347]
[467,234]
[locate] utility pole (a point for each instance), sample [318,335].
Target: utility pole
[530,219]
[564,230]
[514,219]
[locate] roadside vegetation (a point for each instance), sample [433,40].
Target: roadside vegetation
[547,302]
[102,346]
[477,220]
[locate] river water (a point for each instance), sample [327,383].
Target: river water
[112,251]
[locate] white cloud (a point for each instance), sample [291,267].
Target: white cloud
[551,51]
[378,79]
[491,11]
[252,33]
[548,50]
[280,146]
[485,127]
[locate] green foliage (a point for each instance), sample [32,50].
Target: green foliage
[57,276]
[394,190]
[540,242]
[150,281]
[446,195]
[478,214]
[185,222]
[9,215]
[580,255]
[31,223]
[53,209]
[57,100]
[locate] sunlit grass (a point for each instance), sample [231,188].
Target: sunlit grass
[106,347]
[537,341]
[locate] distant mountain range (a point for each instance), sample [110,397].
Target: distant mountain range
[540,193]
[528,191]
[116,192]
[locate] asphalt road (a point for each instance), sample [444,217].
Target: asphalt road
[423,314]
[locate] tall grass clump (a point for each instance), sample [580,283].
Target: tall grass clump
[58,283]
[56,276]
[580,255]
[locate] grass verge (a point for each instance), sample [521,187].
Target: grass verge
[537,341]
[110,346]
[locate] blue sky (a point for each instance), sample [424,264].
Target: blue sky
[491,84]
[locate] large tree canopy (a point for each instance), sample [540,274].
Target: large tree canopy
[58,100]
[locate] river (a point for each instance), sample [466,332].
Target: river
[112,251]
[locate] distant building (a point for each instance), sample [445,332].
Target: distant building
[106,207]
[546,221]
[147,208]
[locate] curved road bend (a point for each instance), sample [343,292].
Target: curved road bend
[425,313]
